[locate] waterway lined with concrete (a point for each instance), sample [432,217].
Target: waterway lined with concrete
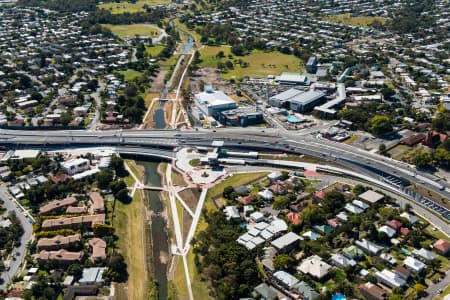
[159,234]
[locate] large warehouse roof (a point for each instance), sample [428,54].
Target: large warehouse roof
[307,97]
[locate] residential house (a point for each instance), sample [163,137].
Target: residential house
[286,242]
[62,256]
[442,247]
[92,276]
[98,248]
[74,222]
[306,292]
[57,205]
[57,242]
[314,266]
[266,195]
[372,291]
[414,265]
[231,212]
[285,279]
[424,254]
[368,247]
[371,197]
[265,292]
[389,278]
[97,202]
[341,261]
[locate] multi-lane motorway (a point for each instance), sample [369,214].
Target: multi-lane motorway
[304,142]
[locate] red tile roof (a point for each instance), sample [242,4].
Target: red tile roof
[442,246]
[294,218]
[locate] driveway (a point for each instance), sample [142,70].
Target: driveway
[10,205]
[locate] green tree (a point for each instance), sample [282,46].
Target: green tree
[104,177]
[118,165]
[282,261]
[379,125]
[123,196]
[422,159]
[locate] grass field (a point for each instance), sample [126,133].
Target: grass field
[348,19]
[125,6]
[234,181]
[124,31]
[130,74]
[128,224]
[351,139]
[134,168]
[179,280]
[260,63]
[154,51]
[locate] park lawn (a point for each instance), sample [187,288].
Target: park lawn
[128,225]
[125,6]
[208,55]
[154,51]
[234,181]
[170,62]
[130,74]
[348,19]
[199,288]
[179,280]
[133,167]
[260,63]
[124,31]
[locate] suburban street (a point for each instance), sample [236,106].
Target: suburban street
[11,205]
[441,285]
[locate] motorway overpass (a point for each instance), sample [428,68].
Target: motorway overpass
[162,143]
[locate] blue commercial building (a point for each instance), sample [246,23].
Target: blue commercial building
[311,65]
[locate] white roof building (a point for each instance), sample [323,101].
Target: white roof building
[424,254]
[390,278]
[75,166]
[371,196]
[411,218]
[231,212]
[388,230]
[311,235]
[286,279]
[257,217]
[266,195]
[368,247]
[314,266]
[286,241]
[353,209]
[212,102]
[342,261]
[414,265]
[360,204]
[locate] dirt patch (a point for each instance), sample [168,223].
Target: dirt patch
[209,75]
[158,82]
[190,197]
[177,179]
[187,221]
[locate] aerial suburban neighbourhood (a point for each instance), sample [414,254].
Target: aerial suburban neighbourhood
[195,149]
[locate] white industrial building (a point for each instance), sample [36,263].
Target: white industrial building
[211,102]
[75,166]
